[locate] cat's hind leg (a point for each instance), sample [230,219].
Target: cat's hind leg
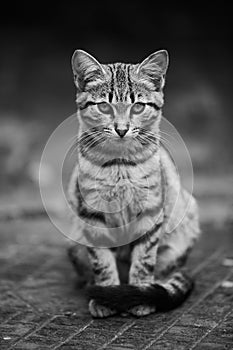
[77,254]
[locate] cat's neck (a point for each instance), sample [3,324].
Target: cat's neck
[150,160]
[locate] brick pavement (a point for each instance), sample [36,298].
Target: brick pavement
[42,307]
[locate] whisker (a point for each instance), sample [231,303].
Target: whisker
[167,142]
[95,142]
[72,138]
[151,136]
[85,139]
[72,151]
[170,135]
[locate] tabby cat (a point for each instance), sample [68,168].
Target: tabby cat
[119,113]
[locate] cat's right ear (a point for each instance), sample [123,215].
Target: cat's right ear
[86,69]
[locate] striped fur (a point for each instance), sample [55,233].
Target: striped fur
[126,183]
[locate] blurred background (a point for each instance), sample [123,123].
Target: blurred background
[37,91]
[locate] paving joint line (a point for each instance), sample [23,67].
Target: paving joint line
[209,292]
[123,329]
[215,254]
[33,331]
[210,330]
[10,317]
[28,304]
[79,331]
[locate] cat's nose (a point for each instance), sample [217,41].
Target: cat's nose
[121,131]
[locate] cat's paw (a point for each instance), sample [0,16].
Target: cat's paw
[97,310]
[142,310]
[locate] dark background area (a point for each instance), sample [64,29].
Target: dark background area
[37,91]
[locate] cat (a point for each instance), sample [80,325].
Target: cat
[119,109]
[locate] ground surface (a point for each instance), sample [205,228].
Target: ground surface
[42,306]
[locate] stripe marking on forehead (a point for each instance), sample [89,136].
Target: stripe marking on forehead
[111,93]
[120,81]
[130,86]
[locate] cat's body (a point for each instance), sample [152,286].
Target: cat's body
[125,187]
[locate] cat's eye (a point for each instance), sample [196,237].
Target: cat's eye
[138,108]
[104,107]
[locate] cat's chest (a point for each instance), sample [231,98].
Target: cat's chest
[121,188]
[123,185]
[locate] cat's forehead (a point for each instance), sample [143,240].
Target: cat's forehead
[120,71]
[123,84]
[120,80]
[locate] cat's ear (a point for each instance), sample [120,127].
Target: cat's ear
[86,69]
[154,66]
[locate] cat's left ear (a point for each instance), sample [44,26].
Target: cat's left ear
[154,66]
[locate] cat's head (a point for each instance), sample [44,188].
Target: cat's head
[123,101]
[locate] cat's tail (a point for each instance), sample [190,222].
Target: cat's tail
[164,296]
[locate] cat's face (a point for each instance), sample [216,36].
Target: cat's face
[122,101]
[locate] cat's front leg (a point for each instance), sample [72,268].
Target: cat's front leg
[143,262]
[105,272]
[104,266]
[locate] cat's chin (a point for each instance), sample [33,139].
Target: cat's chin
[122,139]
[119,147]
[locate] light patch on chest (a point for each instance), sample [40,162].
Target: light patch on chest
[118,191]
